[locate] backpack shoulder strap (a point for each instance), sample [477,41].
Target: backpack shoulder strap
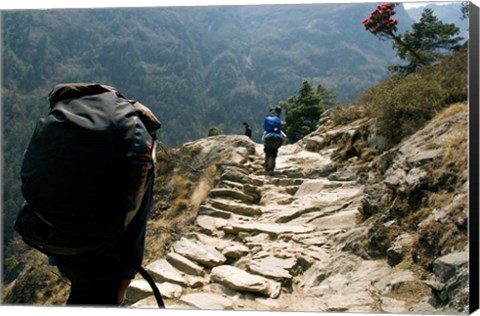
[151,282]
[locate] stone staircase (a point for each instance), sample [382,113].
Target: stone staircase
[274,243]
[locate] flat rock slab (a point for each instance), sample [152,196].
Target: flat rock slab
[353,302]
[241,280]
[343,219]
[231,194]
[184,264]
[207,301]
[311,240]
[316,187]
[237,208]
[203,254]
[273,267]
[240,176]
[140,289]
[337,196]
[219,243]
[275,229]
[150,302]
[162,271]
[291,213]
[210,224]
[211,211]
[393,306]
[390,280]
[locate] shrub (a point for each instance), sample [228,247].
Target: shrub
[347,113]
[403,104]
[214,131]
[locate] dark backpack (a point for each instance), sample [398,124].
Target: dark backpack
[273,140]
[84,171]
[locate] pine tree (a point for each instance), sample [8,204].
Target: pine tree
[303,111]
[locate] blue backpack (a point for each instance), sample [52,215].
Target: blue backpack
[273,135]
[272,124]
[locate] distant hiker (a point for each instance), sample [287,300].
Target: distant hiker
[87,179]
[273,138]
[276,111]
[248,131]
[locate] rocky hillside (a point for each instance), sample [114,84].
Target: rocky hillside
[341,225]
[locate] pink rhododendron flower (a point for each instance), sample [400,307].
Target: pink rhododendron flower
[380,20]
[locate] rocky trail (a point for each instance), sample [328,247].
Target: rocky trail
[344,224]
[277,242]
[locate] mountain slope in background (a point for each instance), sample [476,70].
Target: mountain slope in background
[197,66]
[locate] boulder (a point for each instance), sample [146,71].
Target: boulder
[401,246]
[448,266]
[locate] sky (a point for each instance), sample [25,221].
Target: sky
[43,4]
[409,5]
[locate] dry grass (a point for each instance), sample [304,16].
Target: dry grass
[452,110]
[412,291]
[455,148]
[347,113]
[180,192]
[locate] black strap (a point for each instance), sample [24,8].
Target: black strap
[151,282]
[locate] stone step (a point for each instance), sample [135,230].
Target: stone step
[234,207]
[185,265]
[344,219]
[140,289]
[238,175]
[274,229]
[233,194]
[272,267]
[274,242]
[207,301]
[162,271]
[205,255]
[150,303]
[241,280]
[211,211]
[211,225]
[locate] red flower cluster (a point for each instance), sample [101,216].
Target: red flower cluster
[380,20]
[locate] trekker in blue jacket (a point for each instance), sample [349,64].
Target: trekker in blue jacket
[272,139]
